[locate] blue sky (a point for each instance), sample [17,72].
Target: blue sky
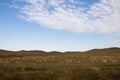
[70,27]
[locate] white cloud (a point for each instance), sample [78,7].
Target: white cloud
[115,42]
[103,17]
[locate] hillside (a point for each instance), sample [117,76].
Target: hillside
[106,51]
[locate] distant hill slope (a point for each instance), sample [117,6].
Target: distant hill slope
[106,51]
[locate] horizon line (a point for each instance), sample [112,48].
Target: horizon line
[57,50]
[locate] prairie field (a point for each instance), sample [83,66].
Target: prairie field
[101,64]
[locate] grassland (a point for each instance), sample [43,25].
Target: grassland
[97,64]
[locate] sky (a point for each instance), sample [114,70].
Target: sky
[59,25]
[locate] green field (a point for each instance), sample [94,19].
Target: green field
[98,64]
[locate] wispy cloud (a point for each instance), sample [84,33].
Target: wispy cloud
[115,42]
[114,39]
[103,16]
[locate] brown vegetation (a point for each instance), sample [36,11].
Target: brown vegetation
[97,64]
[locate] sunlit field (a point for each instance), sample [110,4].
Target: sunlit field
[38,65]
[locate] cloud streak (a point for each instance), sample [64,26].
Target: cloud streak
[102,16]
